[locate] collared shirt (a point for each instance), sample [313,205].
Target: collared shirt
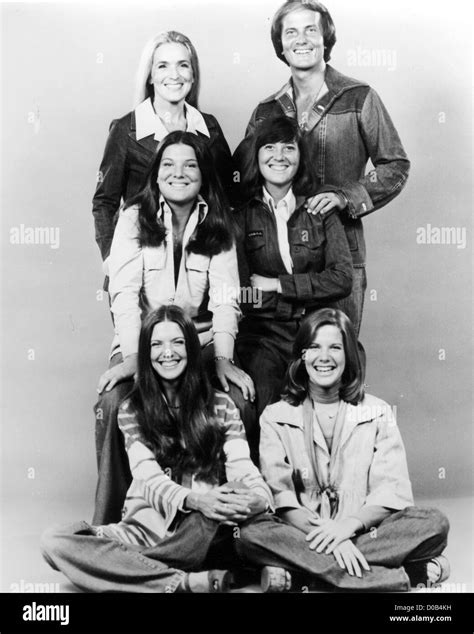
[283,211]
[148,122]
[142,278]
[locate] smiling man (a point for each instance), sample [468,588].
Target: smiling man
[345,124]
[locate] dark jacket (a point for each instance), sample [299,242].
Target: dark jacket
[346,127]
[322,265]
[124,165]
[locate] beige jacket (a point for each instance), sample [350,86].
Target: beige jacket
[367,465]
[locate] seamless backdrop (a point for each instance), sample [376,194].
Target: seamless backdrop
[68,70]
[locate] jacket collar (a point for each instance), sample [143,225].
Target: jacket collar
[148,123]
[336,82]
[200,206]
[363,412]
[260,198]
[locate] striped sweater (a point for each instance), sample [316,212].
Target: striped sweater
[154,500]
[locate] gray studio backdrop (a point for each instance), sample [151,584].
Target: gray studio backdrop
[68,70]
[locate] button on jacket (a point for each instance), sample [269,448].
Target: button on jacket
[142,278]
[322,266]
[127,156]
[346,126]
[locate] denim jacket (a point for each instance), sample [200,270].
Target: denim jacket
[346,127]
[322,267]
[124,166]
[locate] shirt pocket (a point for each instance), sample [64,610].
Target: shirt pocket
[197,272]
[154,258]
[256,254]
[308,243]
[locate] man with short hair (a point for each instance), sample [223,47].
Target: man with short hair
[345,124]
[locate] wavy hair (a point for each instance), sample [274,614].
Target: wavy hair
[216,232]
[295,388]
[190,440]
[143,87]
[274,130]
[329,30]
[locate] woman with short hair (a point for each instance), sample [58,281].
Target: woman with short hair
[293,262]
[335,462]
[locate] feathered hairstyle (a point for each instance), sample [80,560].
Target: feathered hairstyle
[280,129]
[296,385]
[327,24]
[144,88]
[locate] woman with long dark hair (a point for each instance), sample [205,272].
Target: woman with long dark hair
[292,262]
[173,243]
[193,480]
[166,99]
[197,500]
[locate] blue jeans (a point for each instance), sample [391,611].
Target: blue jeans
[102,564]
[353,305]
[407,536]
[114,477]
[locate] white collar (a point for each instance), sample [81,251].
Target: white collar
[200,206]
[289,199]
[147,122]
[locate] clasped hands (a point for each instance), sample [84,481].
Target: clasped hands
[333,536]
[229,504]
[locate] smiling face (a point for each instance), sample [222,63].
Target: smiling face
[168,351]
[278,163]
[179,177]
[325,359]
[171,73]
[302,40]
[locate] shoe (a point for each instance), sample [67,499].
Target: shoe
[443,569]
[275,579]
[208,581]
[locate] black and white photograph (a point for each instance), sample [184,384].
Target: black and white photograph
[236,316]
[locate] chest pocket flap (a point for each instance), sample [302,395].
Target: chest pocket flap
[309,237]
[254,240]
[197,262]
[154,258]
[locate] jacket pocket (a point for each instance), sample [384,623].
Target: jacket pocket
[154,258]
[197,272]
[351,235]
[309,237]
[254,240]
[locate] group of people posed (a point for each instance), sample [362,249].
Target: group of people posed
[234,437]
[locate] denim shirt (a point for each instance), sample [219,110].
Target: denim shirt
[124,165]
[322,266]
[345,128]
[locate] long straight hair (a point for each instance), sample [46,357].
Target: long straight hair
[296,384]
[216,232]
[188,439]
